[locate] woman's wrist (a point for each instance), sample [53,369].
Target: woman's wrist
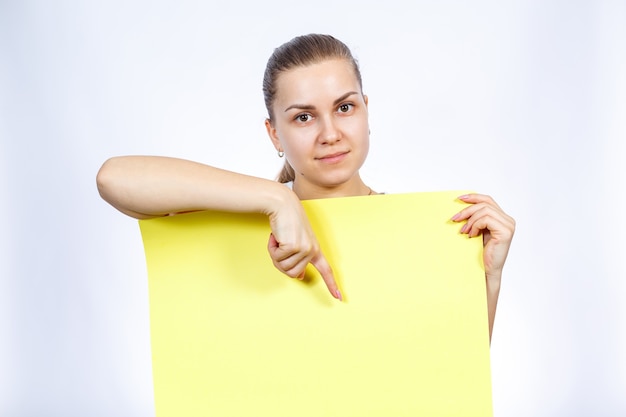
[277,197]
[493,281]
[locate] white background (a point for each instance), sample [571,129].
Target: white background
[523,100]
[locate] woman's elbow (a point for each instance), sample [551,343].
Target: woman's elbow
[106,179]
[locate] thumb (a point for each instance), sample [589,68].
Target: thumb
[321,264]
[272,243]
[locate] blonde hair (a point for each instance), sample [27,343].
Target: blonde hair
[287,174]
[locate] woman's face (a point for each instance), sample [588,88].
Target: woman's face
[321,123]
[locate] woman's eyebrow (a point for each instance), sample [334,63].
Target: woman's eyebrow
[345,96]
[300,107]
[310,107]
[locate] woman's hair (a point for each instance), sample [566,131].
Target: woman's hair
[300,52]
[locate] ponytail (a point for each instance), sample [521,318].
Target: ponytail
[287,174]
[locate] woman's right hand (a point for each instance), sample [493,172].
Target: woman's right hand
[292,245]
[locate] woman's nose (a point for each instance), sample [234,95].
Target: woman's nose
[330,132]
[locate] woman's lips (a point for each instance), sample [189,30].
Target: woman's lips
[333,158]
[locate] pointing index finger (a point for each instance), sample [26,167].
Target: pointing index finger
[321,264]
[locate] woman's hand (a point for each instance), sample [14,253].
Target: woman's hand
[485,217]
[292,245]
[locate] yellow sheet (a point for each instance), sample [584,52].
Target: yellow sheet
[231,336]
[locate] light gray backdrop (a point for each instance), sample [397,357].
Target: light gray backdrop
[524,100]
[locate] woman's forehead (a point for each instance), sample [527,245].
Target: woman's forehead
[327,78]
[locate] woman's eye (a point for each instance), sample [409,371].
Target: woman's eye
[345,108]
[303,117]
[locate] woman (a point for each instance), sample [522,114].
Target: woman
[318,120]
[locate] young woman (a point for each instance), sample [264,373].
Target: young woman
[318,120]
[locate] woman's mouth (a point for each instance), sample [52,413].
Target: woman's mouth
[333,158]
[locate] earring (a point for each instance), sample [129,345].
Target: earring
[281,154]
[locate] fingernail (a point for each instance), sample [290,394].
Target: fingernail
[456,217]
[463,228]
[338,295]
[463,197]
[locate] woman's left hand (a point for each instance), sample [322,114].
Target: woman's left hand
[485,217]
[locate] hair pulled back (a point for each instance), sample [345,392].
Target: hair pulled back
[302,51]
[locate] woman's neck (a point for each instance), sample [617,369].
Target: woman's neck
[309,191]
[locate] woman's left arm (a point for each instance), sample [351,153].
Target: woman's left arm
[485,217]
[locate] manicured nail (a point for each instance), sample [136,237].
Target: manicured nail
[463,228]
[456,217]
[338,295]
[463,197]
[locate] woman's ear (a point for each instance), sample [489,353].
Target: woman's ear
[366,99]
[271,132]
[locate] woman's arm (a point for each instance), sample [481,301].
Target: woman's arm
[153,186]
[485,217]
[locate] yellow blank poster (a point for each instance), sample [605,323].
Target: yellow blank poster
[233,337]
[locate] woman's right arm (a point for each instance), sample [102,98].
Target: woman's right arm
[153,186]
